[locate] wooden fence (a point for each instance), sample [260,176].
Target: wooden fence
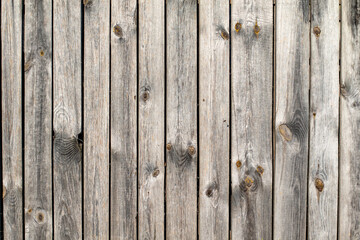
[179,119]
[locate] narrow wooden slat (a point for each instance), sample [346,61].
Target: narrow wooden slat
[151,119]
[96,118]
[123,120]
[324,120]
[11,78]
[67,150]
[181,122]
[214,119]
[292,118]
[251,136]
[349,186]
[38,120]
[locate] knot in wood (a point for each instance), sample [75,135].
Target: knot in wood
[168,146]
[156,173]
[224,34]
[42,53]
[238,163]
[209,193]
[285,132]
[256,30]
[319,184]
[118,31]
[191,150]
[260,170]
[145,96]
[238,27]
[317,32]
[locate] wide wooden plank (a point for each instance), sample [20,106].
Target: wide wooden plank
[251,131]
[181,120]
[123,120]
[292,118]
[151,119]
[96,118]
[67,150]
[324,120]
[38,120]
[11,135]
[214,117]
[349,186]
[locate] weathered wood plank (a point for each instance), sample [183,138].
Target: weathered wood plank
[324,120]
[251,136]
[67,151]
[292,118]
[151,119]
[214,139]
[11,82]
[96,118]
[123,120]
[38,120]
[349,201]
[181,122]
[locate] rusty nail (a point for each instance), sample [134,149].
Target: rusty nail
[168,146]
[260,170]
[248,181]
[191,150]
[238,27]
[256,30]
[317,32]
[118,31]
[42,53]
[224,35]
[238,163]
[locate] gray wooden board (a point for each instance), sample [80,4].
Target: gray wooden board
[67,150]
[251,132]
[38,120]
[151,119]
[292,44]
[324,120]
[214,117]
[96,119]
[123,120]
[11,82]
[181,122]
[349,200]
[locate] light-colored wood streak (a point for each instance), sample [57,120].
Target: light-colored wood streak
[324,120]
[96,119]
[11,135]
[123,120]
[292,44]
[251,132]
[181,122]
[67,148]
[38,120]
[214,117]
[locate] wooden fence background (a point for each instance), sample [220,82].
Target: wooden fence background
[179,119]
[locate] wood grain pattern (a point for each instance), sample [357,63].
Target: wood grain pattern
[324,120]
[96,119]
[38,120]
[123,120]
[67,148]
[151,119]
[214,119]
[181,122]
[292,118]
[11,135]
[349,200]
[251,132]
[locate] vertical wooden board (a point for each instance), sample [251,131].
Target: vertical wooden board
[214,119]
[324,120]
[251,136]
[11,82]
[181,122]
[349,200]
[38,120]
[96,119]
[67,151]
[292,118]
[123,120]
[151,119]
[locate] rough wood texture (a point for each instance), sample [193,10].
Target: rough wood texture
[151,119]
[123,120]
[38,126]
[292,118]
[214,139]
[96,119]
[11,86]
[67,148]
[181,122]
[251,132]
[324,120]
[349,201]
